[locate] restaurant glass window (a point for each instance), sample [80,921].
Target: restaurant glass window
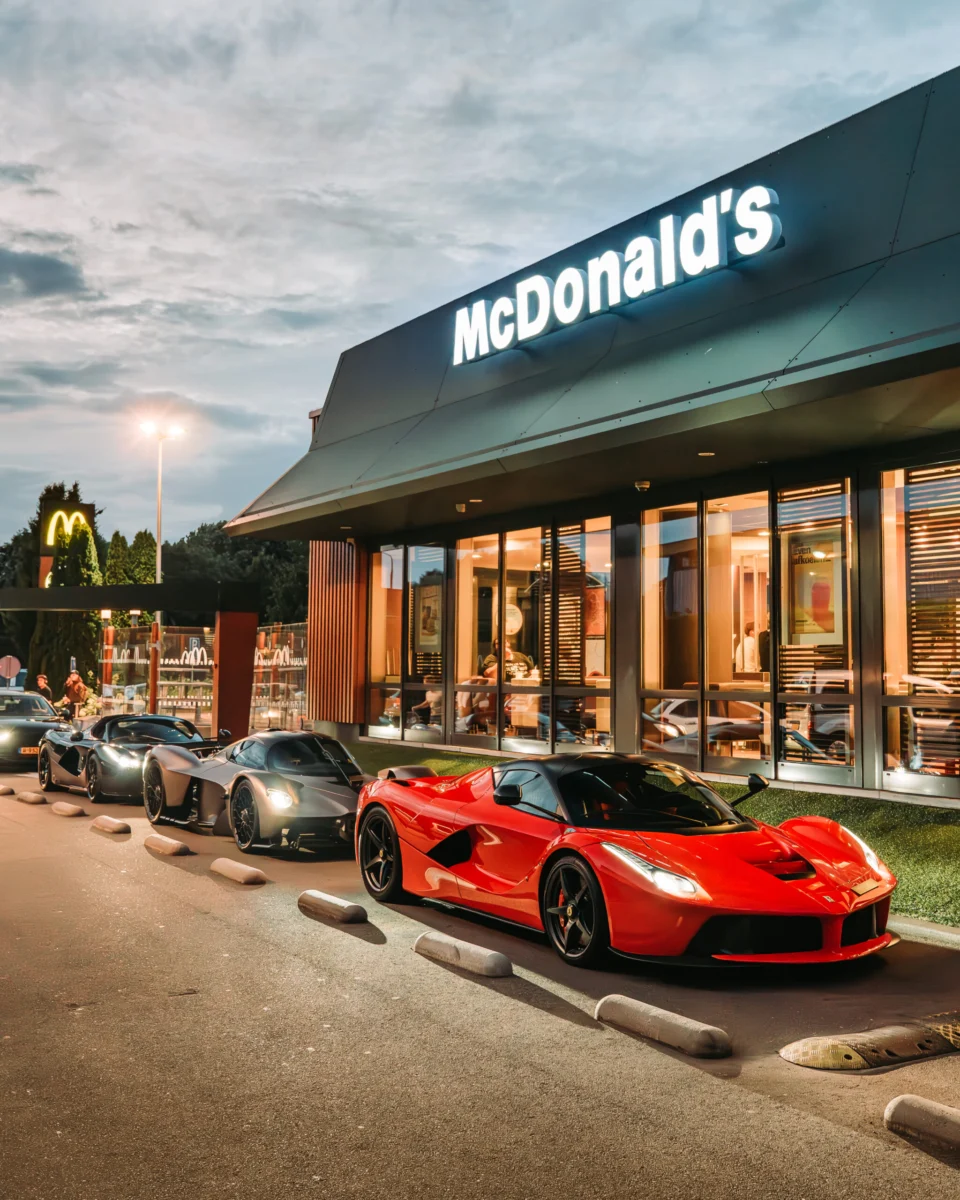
[737,593]
[819,735]
[527,609]
[814,529]
[423,712]
[386,591]
[477,635]
[670,726]
[383,712]
[921,580]
[425,577]
[526,722]
[920,519]
[670,598]
[738,729]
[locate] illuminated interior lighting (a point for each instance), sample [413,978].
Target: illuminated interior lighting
[705,454]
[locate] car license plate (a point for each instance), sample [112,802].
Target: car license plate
[864,886]
[29,749]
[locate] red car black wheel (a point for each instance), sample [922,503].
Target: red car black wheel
[379,854]
[573,911]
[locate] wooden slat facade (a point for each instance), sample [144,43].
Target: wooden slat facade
[336,632]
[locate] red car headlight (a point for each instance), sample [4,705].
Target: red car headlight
[665,881]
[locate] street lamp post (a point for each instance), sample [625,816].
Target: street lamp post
[151,429]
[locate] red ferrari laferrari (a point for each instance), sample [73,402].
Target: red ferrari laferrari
[629,853]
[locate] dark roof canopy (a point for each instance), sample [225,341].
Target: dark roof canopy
[177,595]
[786,355]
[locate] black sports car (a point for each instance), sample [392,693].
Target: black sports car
[267,788]
[24,718]
[107,759]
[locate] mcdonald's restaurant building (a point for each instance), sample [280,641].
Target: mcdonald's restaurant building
[691,486]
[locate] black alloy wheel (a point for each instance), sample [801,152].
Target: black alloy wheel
[94,779]
[155,796]
[574,914]
[45,772]
[379,853]
[244,817]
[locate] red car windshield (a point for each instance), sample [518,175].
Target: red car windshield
[640,796]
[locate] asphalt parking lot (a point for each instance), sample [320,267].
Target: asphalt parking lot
[164,1030]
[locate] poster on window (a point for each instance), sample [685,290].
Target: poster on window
[813,564]
[427,619]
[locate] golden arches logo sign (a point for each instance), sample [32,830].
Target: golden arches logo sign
[68,523]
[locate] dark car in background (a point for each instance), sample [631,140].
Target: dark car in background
[24,718]
[107,759]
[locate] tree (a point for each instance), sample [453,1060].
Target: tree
[279,568]
[58,637]
[142,563]
[117,570]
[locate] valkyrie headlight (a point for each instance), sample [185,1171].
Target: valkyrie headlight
[666,881]
[120,759]
[279,799]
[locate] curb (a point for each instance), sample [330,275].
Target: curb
[915,930]
[165,845]
[63,809]
[238,872]
[465,955]
[661,1025]
[107,824]
[31,797]
[924,1119]
[320,904]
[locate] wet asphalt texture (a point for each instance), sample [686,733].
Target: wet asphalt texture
[166,1033]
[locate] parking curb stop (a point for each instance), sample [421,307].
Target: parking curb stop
[924,1119]
[165,845]
[7,791]
[661,1025]
[465,955]
[31,797]
[107,824]
[63,809]
[320,904]
[238,872]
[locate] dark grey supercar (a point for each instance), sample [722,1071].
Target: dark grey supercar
[267,789]
[107,759]
[24,718]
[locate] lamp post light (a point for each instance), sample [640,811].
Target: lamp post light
[152,429]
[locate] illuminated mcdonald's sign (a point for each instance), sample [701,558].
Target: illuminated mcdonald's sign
[69,522]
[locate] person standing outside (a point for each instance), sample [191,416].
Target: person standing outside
[43,688]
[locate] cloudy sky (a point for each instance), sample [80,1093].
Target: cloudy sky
[203,201]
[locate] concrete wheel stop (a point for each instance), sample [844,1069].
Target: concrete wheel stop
[465,955]
[238,872]
[107,824]
[661,1025]
[925,1120]
[7,791]
[320,905]
[31,797]
[63,809]
[165,845]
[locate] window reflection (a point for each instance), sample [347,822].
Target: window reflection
[921,580]
[737,592]
[478,609]
[583,722]
[584,565]
[423,717]
[738,729]
[922,741]
[670,598]
[424,612]
[819,734]
[526,609]
[526,718]
[814,530]
[386,590]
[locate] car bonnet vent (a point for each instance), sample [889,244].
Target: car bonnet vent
[788,868]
